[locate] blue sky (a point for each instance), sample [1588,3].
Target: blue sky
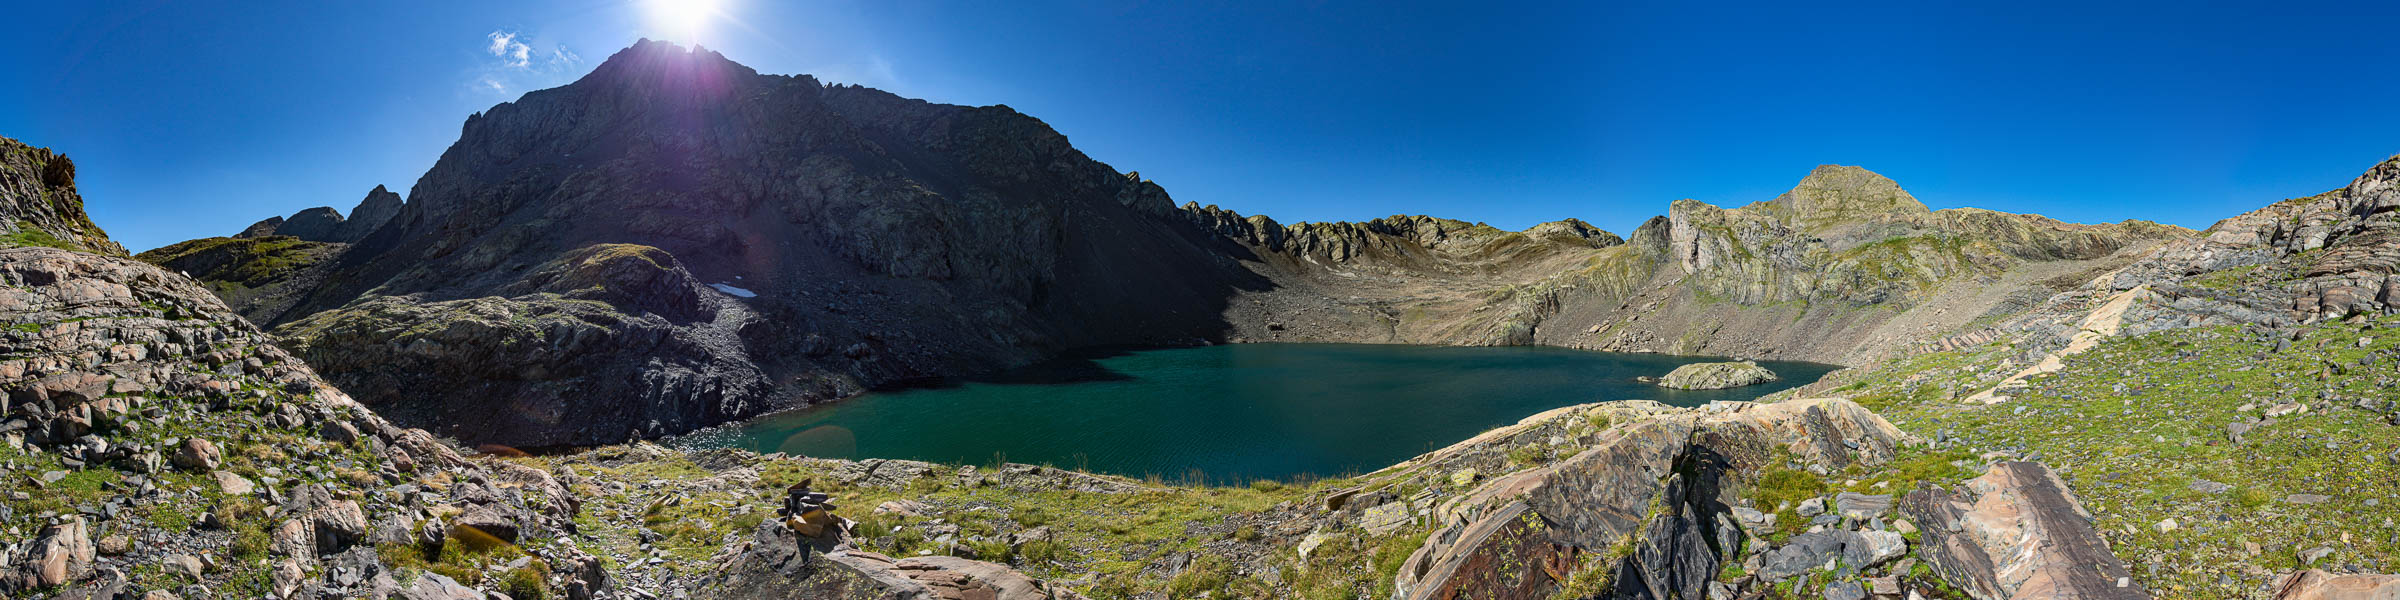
[190,119]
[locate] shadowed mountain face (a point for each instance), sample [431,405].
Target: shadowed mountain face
[676,241]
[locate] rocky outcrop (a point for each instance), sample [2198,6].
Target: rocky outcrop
[130,377]
[377,208]
[1650,503]
[2347,242]
[39,205]
[559,363]
[263,228]
[557,344]
[320,224]
[324,224]
[1716,376]
[2017,532]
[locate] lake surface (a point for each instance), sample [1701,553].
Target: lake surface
[1226,414]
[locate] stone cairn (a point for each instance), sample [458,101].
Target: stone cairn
[808,513]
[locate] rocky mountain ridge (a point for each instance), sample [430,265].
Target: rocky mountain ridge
[324,224]
[802,242]
[790,242]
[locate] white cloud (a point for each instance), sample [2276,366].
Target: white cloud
[504,44]
[519,61]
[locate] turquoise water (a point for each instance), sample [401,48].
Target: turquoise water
[1229,413]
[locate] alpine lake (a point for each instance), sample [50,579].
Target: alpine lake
[1226,414]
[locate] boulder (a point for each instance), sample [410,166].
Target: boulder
[184,564]
[2315,584]
[488,520]
[339,432]
[1860,507]
[1716,376]
[2017,533]
[233,485]
[62,554]
[1384,519]
[428,586]
[196,454]
[954,577]
[778,563]
[339,525]
[294,539]
[905,508]
[1850,550]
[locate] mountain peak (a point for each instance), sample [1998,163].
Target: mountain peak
[1836,194]
[665,64]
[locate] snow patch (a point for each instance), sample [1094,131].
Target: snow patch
[738,292]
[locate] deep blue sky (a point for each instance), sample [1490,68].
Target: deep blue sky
[195,118]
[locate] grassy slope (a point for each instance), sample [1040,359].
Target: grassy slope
[2136,423]
[1104,542]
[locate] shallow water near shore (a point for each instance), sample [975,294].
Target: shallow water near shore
[1226,414]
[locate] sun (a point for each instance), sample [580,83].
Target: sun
[686,20]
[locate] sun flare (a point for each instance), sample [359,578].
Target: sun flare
[686,20]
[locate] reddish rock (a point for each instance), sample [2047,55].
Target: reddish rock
[198,454]
[2017,533]
[2314,584]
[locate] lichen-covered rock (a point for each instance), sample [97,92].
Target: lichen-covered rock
[1716,376]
